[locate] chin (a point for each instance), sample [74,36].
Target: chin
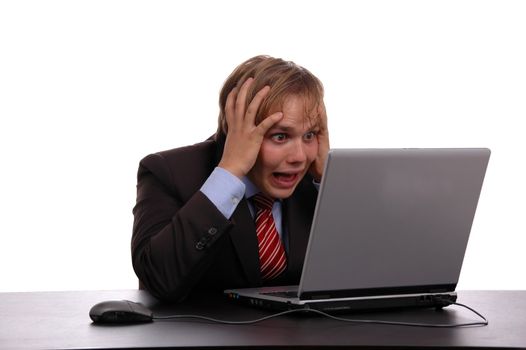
[279,193]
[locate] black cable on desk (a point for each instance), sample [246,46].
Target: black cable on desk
[337,318]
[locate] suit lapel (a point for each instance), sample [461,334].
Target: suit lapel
[297,216]
[244,239]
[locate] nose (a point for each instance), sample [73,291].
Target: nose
[297,152]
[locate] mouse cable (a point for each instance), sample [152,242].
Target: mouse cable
[337,318]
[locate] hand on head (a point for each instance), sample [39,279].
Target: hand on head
[316,168]
[244,137]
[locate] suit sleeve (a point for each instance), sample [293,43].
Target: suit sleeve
[176,235]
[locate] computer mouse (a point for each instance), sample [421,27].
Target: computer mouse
[120,311]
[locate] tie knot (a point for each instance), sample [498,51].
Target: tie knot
[262,201]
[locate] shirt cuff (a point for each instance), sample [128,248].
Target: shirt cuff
[224,190]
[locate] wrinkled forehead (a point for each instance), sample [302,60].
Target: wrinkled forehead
[307,106]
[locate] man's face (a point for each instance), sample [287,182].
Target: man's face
[287,151]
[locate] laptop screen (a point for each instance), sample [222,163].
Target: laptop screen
[392,220]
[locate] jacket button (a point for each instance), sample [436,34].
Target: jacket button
[199,246]
[212,231]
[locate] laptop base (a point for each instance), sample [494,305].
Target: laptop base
[348,305]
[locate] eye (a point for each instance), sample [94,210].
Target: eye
[279,137]
[311,135]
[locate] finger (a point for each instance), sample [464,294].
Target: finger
[229,107]
[253,107]
[323,133]
[323,116]
[268,122]
[241,98]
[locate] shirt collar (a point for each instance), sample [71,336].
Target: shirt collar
[250,188]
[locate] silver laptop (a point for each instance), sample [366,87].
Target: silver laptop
[390,230]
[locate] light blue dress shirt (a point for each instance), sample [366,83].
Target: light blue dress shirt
[226,191]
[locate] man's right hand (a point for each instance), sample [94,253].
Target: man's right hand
[244,137]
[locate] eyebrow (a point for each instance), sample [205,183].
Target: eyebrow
[288,129]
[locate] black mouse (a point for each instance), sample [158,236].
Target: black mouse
[120,311]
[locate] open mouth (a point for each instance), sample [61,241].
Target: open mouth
[285,179]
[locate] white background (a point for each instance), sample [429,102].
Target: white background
[87,88]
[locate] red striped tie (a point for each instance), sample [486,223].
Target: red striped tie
[272,257]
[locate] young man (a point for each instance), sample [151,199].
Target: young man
[235,211]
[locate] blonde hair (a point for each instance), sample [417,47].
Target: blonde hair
[285,79]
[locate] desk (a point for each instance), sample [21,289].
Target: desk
[59,320]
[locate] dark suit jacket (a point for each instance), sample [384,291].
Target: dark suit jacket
[181,242]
